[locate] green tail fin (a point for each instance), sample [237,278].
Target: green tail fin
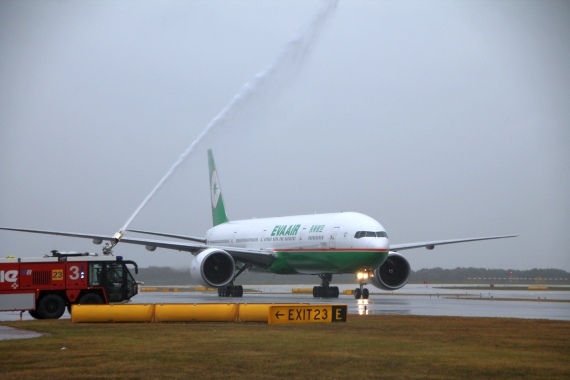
[218,209]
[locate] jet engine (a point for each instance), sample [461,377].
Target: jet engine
[213,268]
[393,274]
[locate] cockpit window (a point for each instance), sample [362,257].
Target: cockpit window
[361,234]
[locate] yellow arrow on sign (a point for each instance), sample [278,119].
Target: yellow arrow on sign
[307,313]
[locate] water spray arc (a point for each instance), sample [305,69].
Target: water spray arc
[295,53]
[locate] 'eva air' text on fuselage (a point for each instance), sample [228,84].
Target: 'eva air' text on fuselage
[285,230]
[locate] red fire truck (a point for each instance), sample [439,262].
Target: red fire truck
[46,285]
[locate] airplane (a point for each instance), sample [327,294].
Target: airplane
[315,244]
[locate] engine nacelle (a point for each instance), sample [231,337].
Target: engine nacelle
[213,268]
[393,274]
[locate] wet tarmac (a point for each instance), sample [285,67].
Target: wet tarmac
[12,333]
[410,300]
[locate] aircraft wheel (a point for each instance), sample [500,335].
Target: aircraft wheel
[333,292]
[35,314]
[236,291]
[365,293]
[316,291]
[357,293]
[51,306]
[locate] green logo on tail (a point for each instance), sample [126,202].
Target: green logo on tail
[218,209]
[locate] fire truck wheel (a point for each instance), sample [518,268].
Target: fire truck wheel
[51,306]
[35,314]
[91,299]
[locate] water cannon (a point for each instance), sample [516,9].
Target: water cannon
[108,248]
[117,237]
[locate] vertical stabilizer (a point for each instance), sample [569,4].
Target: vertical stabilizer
[218,209]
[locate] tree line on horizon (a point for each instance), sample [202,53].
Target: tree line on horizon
[173,276]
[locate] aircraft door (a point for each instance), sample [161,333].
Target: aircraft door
[262,243]
[332,240]
[303,237]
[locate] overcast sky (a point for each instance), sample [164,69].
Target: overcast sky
[439,119]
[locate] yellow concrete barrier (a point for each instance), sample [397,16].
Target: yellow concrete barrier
[230,312]
[149,289]
[302,290]
[253,312]
[112,313]
[195,312]
[538,288]
[348,291]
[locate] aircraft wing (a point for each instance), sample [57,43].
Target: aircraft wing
[432,244]
[259,258]
[183,237]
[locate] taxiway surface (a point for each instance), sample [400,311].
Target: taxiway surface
[410,300]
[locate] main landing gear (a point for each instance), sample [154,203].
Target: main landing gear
[325,291]
[231,290]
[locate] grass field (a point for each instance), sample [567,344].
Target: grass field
[388,347]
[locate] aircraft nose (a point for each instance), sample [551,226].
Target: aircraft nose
[381,243]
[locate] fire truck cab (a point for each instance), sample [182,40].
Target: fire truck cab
[45,286]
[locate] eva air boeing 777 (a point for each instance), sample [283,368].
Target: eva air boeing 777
[319,244]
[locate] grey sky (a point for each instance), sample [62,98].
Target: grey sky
[439,119]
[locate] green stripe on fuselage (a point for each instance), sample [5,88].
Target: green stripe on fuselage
[326,261]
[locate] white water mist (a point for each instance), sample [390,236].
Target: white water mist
[291,58]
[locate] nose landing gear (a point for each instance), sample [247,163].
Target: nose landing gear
[362,292]
[325,291]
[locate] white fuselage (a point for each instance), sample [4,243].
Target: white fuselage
[318,231]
